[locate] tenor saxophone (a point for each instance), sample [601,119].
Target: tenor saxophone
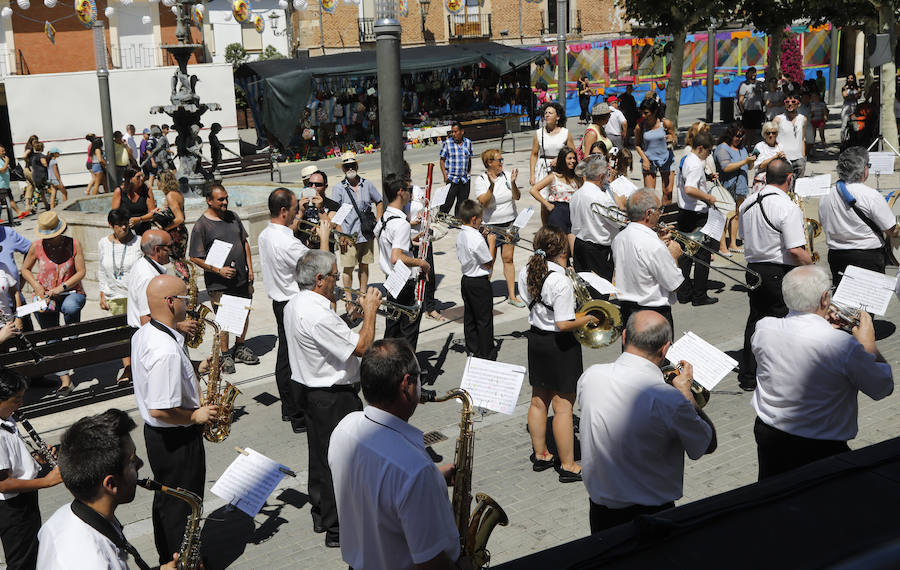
[474,530]
[218,393]
[189,553]
[195,310]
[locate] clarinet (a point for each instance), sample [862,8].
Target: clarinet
[40,445]
[35,355]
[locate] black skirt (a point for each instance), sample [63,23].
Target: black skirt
[554,360]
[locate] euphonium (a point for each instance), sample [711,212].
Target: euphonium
[609,318]
[195,310]
[701,394]
[474,530]
[223,397]
[189,553]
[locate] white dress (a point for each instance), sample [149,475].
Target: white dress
[548,149]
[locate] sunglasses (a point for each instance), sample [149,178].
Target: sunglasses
[184,298]
[317,184]
[771,133]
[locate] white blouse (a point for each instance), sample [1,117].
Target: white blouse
[114,267]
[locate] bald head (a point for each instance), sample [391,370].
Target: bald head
[646,333]
[160,293]
[154,245]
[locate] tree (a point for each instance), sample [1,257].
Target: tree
[235,54]
[271,52]
[772,17]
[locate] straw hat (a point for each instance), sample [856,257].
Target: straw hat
[308,171]
[600,109]
[348,157]
[49,225]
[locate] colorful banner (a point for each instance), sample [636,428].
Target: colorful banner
[454,6]
[197,15]
[50,31]
[240,9]
[86,10]
[259,23]
[329,6]
[404,8]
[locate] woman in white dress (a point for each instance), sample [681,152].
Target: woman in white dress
[548,140]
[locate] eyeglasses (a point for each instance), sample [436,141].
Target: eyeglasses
[499,159]
[184,298]
[771,133]
[333,275]
[317,184]
[868,165]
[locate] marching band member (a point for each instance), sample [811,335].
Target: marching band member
[772,229]
[417,207]
[855,217]
[693,209]
[324,355]
[393,233]
[391,497]
[155,244]
[476,259]
[279,252]
[635,428]
[594,233]
[554,356]
[806,395]
[646,270]
[168,398]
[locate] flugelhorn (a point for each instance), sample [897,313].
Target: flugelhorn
[701,394]
[311,229]
[389,308]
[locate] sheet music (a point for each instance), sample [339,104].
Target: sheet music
[882,162]
[809,186]
[622,186]
[396,281]
[24,310]
[524,217]
[218,253]
[866,289]
[440,196]
[232,313]
[715,224]
[602,286]
[341,214]
[710,364]
[249,481]
[493,385]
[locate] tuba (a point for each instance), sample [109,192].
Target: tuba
[474,530]
[609,326]
[189,553]
[217,395]
[701,394]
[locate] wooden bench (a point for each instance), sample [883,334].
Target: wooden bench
[260,162]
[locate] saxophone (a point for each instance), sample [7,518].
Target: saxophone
[195,310]
[217,430]
[474,530]
[189,553]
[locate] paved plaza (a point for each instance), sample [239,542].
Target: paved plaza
[542,512]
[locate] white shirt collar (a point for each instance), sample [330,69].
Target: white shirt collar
[281,228]
[639,362]
[179,338]
[470,229]
[317,298]
[642,228]
[395,211]
[387,419]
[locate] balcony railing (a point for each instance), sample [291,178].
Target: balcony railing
[549,28]
[135,56]
[366,30]
[469,26]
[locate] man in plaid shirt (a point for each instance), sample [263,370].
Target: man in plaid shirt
[456,164]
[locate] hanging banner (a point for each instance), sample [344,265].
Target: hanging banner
[197,15]
[259,23]
[86,10]
[454,6]
[241,11]
[404,8]
[329,6]
[50,31]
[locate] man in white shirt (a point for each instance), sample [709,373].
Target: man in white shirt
[617,125]
[391,496]
[772,229]
[636,428]
[394,244]
[279,251]
[750,103]
[594,233]
[168,397]
[324,355]
[791,130]
[855,217]
[646,269]
[693,210]
[809,375]
[99,466]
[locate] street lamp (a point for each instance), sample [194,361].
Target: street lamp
[424,5]
[273,24]
[387,64]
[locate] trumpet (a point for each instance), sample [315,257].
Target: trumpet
[843,316]
[311,229]
[390,309]
[508,235]
[701,394]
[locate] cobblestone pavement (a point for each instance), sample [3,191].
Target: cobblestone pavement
[542,512]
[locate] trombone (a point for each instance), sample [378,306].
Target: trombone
[508,235]
[390,309]
[692,243]
[311,229]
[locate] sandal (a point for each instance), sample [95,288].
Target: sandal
[64,391]
[436,315]
[736,249]
[516,302]
[125,378]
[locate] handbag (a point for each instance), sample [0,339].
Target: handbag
[17,173]
[366,219]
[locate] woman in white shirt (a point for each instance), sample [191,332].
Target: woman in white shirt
[766,150]
[548,140]
[497,192]
[116,254]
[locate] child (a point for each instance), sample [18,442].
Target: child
[477,260]
[6,197]
[39,176]
[53,174]
[818,116]
[20,516]
[619,167]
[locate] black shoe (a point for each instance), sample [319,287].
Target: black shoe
[285,418]
[541,464]
[704,301]
[683,300]
[298,427]
[568,476]
[747,386]
[318,528]
[332,541]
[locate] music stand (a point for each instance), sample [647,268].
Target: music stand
[880,138]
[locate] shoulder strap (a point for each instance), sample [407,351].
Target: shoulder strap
[848,198]
[350,192]
[538,299]
[763,210]
[153,264]
[97,522]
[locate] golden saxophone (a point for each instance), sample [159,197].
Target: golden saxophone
[223,397]
[474,530]
[40,446]
[701,394]
[189,553]
[195,310]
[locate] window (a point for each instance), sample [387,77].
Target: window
[251,39]
[210,39]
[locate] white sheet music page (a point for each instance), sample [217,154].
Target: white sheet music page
[232,313]
[622,186]
[710,364]
[882,162]
[341,214]
[218,253]
[249,481]
[866,289]
[33,307]
[809,186]
[439,196]
[602,286]
[493,385]
[524,216]
[715,224]
[396,281]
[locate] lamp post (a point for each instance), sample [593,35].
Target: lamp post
[387,68]
[424,5]
[105,106]
[562,78]
[710,68]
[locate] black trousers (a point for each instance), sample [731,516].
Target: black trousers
[603,518]
[459,192]
[589,256]
[177,459]
[765,301]
[20,520]
[478,316]
[839,259]
[428,302]
[778,451]
[694,289]
[325,408]
[404,327]
[292,393]
[584,101]
[629,307]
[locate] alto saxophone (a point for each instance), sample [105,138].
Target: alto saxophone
[474,530]
[195,310]
[189,553]
[223,397]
